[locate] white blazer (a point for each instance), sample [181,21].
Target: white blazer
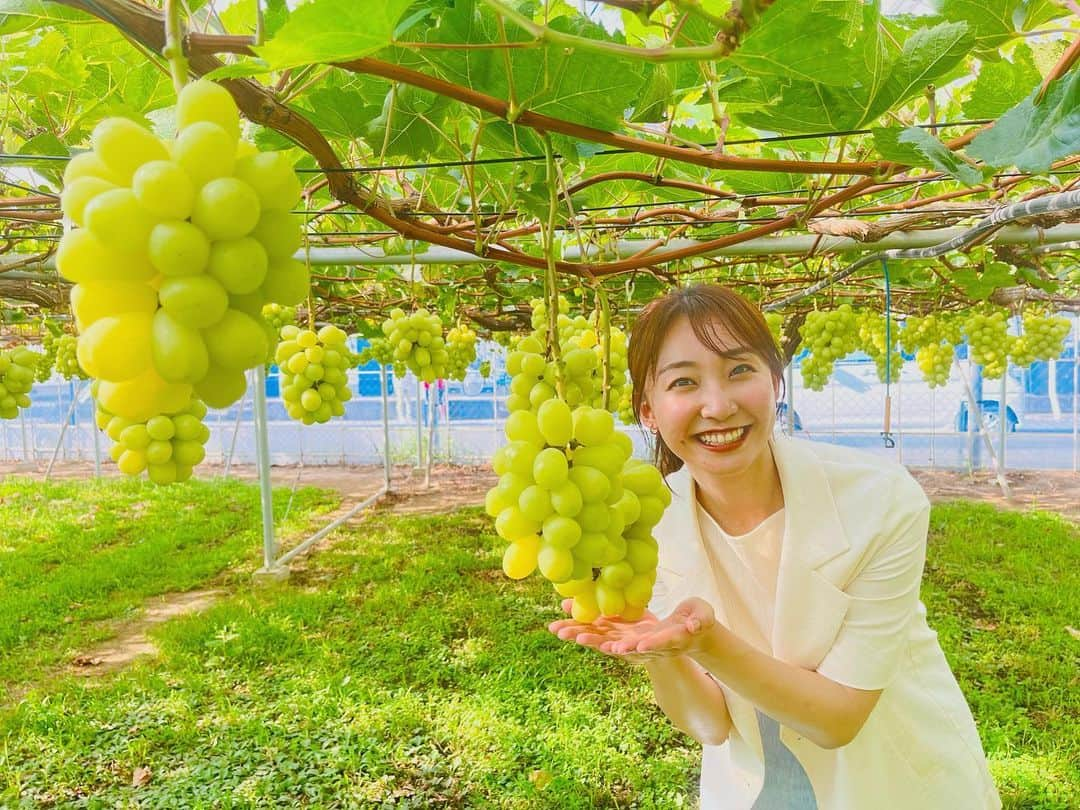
[847,606]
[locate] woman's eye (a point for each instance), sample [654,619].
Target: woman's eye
[681,382]
[742,368]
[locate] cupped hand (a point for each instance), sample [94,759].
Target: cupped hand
[646,639]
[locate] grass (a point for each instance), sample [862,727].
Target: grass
[75,555]
[1002,589]
[400,669]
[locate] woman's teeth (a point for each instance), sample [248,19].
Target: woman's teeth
[722,438]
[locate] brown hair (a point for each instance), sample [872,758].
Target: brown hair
[703,305]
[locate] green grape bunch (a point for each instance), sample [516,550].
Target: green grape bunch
[314,372]
[878,338]
[178,245]
[572,503]
[49,344]
[17,369]
[461,347]
[418,343]
[1042,338]
[278,316]
[989,340]
[166,446]
[775,322]
[67,360]
[830,336]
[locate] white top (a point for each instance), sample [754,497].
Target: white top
[847,606]
[747,565]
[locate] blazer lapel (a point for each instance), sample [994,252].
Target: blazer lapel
[809,608]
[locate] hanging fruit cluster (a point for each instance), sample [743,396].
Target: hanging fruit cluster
[416,342]
[17,367]
[314,379]
[179,246]
[581,342]
[570,499]
[166,446]
[60,354]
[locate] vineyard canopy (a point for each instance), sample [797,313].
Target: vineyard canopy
[645,142]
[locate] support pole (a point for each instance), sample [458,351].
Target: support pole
[419,426]
[385,385]
[977,413]
[25,442]
[97,448]
[431,397]
[1003,414]
[271,570]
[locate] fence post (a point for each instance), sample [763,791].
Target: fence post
[1003,414]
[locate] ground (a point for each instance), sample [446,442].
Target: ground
[452,486]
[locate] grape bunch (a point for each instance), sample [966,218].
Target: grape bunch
[989,341]
[573,504]
[418,343]
[582,354]
[47,362]
[873,331]
[314,372]
[775,323]
[1042,338]
[17,368]
[278,316]
[461,347]
[380,350]
[179,246]
[67,360]
[830,336]
[166,446]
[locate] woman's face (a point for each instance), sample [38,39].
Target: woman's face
[714,411]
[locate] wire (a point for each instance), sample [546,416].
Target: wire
[523,158]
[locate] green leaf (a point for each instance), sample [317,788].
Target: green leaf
[1031,136]
[1000,85]
[333,31]
[939,156]
[991,21]
[239,70]
[804,41]
[927,55]
[29,15]
[342,113]
[888,145]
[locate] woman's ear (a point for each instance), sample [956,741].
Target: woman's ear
[646,416]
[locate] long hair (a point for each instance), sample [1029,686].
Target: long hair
[705,306]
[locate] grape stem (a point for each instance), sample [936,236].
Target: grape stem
[605,344]
[551,275]
[174,45]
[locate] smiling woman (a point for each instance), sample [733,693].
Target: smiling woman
[785,632]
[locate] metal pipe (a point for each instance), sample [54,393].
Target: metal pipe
[385,385]
[262,457]
[325,530]
[762,246]
[60,438]
[976,412]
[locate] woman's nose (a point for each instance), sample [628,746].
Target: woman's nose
[718,406]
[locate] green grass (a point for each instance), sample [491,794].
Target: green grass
[1002,589]
[74,555]
[401,669]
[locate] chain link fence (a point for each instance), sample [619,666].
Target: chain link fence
[1028,419]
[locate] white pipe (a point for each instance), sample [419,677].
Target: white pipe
[763,246]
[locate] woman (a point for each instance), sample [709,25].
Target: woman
[795,647]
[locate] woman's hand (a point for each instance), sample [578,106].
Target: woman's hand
[646,639]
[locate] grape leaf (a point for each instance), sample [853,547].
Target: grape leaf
[1031,135]
[1000,85]
[333,31]
[939,156]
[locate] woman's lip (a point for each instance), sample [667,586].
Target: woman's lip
[719,448]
